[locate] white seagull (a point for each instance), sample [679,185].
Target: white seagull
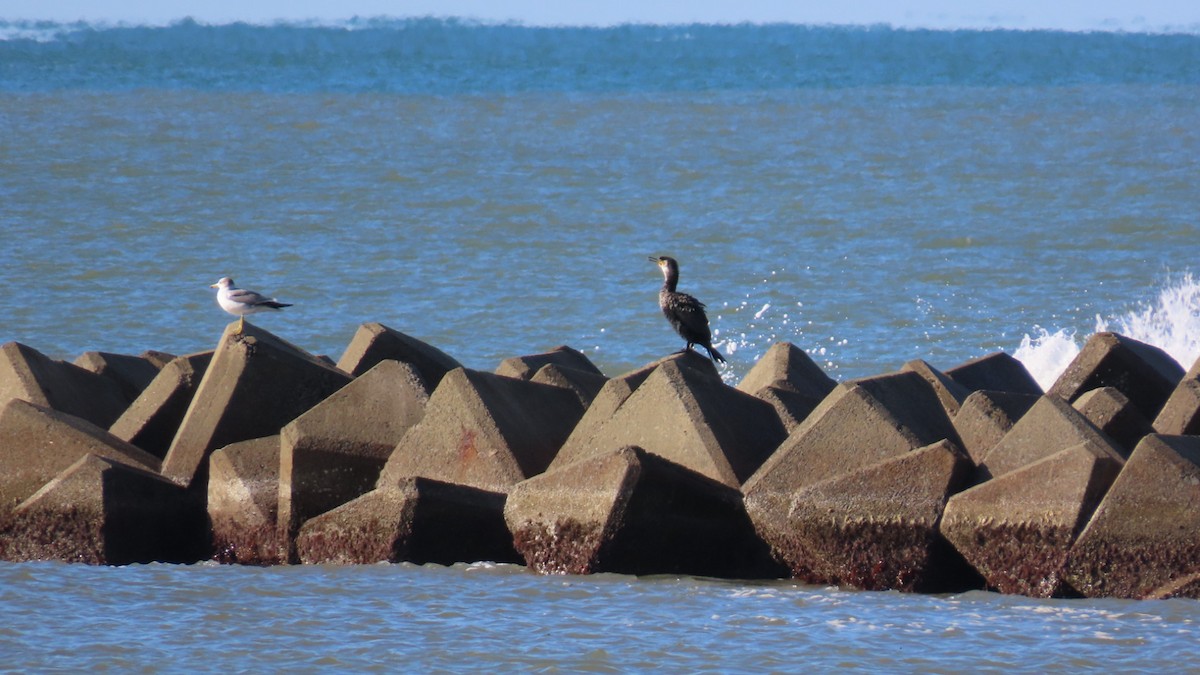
[240,302]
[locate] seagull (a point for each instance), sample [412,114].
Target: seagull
[683,311]
[240,302]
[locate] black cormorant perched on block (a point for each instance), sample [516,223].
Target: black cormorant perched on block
[685,312]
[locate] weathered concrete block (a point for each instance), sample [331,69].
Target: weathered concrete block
[254,385]
[153,419]
[375,342]
[243,500]
[1144,373]
[417,520]
[1017,530]
[1180,415]
[860,423]
[1187,586]
[986,416]
[788,368]
[995,372]
[683,415]
[632,512]
[950,393]
[156,358]
[790,381]
[583,384]
[334,452]
[1114,414]
[29,375]
[485,431]
[37,444]
[1050,426]
[104,512]
[1146,532]
[524,367]
[876,528]
[131,373]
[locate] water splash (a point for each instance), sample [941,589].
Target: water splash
[1170,322]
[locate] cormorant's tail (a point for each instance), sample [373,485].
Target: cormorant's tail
[714,354]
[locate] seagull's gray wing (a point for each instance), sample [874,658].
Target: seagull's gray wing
[248,297]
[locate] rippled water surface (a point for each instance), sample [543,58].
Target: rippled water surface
[478,617]
[871,195]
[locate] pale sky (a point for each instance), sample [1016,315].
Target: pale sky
[1068,15]
[1180,15]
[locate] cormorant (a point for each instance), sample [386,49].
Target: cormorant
[685,312]
[240,302]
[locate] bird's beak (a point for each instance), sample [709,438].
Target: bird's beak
[653,260]
[212,285]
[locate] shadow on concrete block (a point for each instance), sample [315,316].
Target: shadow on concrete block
[585,385]
[632,512]
[103,512]
[255,384]
[335,452]
[29,375]
[243,499]
[37,444]
[1146,532]
[995,372]
[375,342]
[683,415]
[1050,426]
[417,520]
[860,423]
[153,419]
[1144,373]
[877,528]
[986,416]
[1017,530]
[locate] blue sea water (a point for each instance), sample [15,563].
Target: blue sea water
[873,195]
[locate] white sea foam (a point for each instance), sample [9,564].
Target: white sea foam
[1171,322]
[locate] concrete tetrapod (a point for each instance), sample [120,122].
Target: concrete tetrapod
[334,452]
[1017,530]
[153,419]
[995,372]
[859,424]
[1146,532]
[243,502]
[105,512]
[131,373]
[632,512]
[417,520]
[1050,426]
[950,393]
[255,384]
[375,342]
[683,415]
[1180,415]
[29,375]
[524,367]
[877,528]
[790,381]
[37,444]
[986,417]
[1144,373]
[1113,413]
[485,431]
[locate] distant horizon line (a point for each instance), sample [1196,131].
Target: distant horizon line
[353,22]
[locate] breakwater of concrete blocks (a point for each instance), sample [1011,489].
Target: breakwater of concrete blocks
[921,479]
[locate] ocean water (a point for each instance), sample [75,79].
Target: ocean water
[871,195]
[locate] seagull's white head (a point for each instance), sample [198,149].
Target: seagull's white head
[223,283]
